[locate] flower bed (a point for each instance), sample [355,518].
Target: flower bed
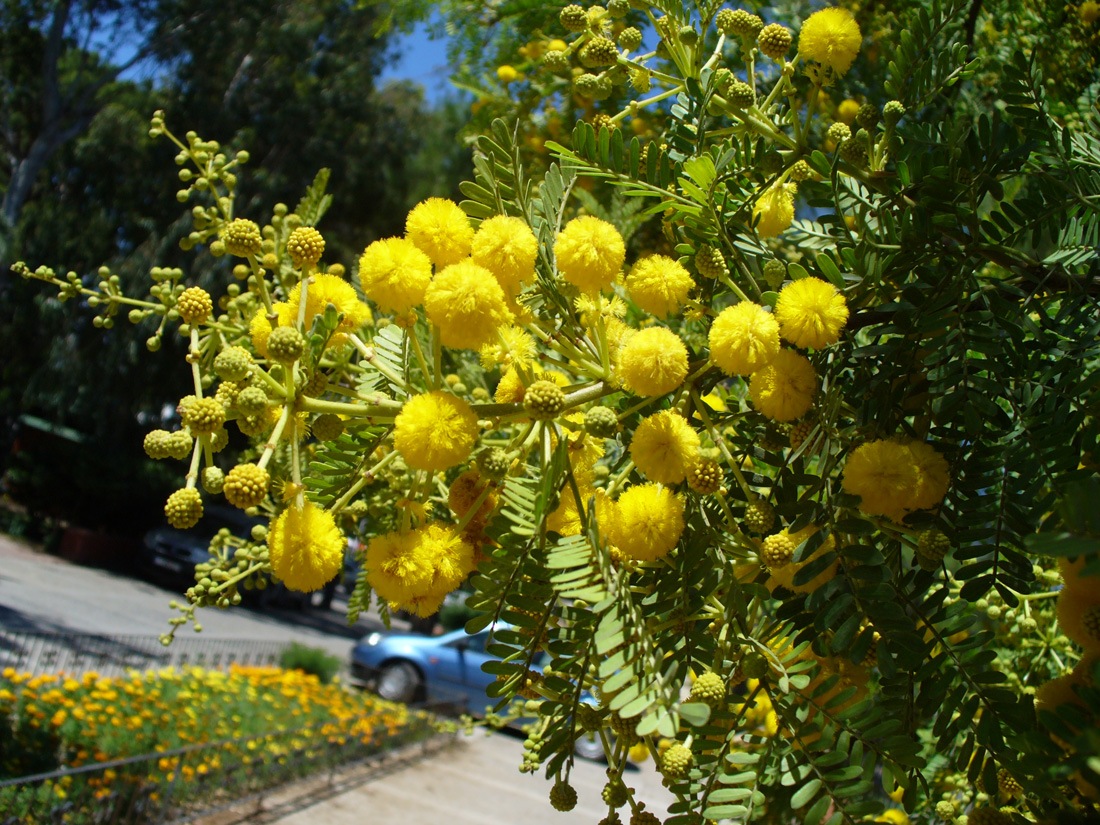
[171,732]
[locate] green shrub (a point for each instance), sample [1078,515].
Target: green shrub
[313,660]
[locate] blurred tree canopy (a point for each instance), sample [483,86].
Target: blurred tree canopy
[83,185]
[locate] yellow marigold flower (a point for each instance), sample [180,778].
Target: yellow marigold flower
[659,285]
[394,274]
[395,569]
[743,338]
[774,210]
[514,346]
[831,37]
[306,547]
[811,313]
[934,476]
[653,361]
[435,431]
[507,247]
[664,447]
[467,305]
[1079,615]
[260,327]
[784,390]
[847,110]
[441,229]
[648,522]
[326,289]
[589,253]
[884,475]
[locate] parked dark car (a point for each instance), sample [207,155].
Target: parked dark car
[407,667]
[169,555]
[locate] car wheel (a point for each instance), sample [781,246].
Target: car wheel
[398,682]
[588,746]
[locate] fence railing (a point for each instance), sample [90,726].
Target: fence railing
[108,655]
[180,785]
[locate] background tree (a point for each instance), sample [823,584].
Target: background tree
[296,84]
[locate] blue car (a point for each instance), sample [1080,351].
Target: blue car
[405,667]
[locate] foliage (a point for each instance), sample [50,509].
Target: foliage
[315,661]
[767,496]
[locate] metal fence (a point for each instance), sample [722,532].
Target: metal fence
[107,655]
[181,785]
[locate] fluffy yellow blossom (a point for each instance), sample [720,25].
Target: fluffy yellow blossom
[653,361]
[507,247]
[589,253]
[435,431]
[1079,615]
[306,547]
[506,73]
[774,210]
[464,493]
[664,447]
[260,327]
[811,313]
[784,390]
[648,522]
[513,346]
[467,305]
[1089,12]
[396,570]
[659,285]
[394,274]
[452,558]
[743,338]
[830,37]
[440,229]
[784,576]
[847,110]
[325,289]
[934,476]
[885,477]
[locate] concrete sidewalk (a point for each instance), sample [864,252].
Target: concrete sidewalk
[475,780]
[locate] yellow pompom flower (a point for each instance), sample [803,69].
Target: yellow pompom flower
[394,274]
[1089,12]
[653,361]
[260,327]
[466,304]
[507,247]
[441,230]
[774,210]
[743,338]
[784,390]
[811,313]
[830,37]
[506,73]
[1079,615]
[885,477]
[452,557]
[659,285]
[396,570]
[648,522]
[513,347]
[847,110]
[664,447]
[435,431]
[326,289]
[934,476]
[306,547]
[589,253]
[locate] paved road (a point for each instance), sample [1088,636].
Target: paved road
[42,593]
[473,782]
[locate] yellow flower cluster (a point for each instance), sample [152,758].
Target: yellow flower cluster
[417,568]
[89,718]
[893,478]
